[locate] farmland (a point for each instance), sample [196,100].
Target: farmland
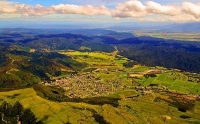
[98,59]
[176,36]
[106,75]
[112,89]
[173,80]
[110,66]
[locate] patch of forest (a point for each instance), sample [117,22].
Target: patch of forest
[16,114]
[185,59]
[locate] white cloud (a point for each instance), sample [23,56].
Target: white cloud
[84,10]
[191,9]
[156,8]
[28,10]
[6,7]
[134,8]
[129,9]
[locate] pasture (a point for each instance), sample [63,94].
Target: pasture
[98,59]
[176,81]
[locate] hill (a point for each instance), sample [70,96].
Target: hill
[22,69]
[183,27]
[161,52]
[138,110]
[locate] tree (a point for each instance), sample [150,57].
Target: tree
[27,117]
[17,109]
[6,108]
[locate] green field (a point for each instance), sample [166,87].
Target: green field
[173,82]
[98,59]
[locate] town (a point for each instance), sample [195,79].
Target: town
[88,85]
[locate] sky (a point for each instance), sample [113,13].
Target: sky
[13,12]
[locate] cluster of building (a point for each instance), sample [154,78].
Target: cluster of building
[87,85]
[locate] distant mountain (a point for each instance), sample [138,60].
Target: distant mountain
[102,32]
[183,27]
[158,26]
[132,26]
[84,32]
[92,32]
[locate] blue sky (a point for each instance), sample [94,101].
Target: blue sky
[95,2]
[98,11]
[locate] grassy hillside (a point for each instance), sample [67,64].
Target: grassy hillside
[140,110]
[19,68]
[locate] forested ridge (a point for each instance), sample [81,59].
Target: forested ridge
[19,64]
[184,55]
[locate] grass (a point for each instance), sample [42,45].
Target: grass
[91,54]
[23,48]
[113,115]
[175,81]
[139,68]
[122,94]
[147,111]
[137,111]
[149,81]
[105,76]
[56,112]
[162,77]
[98,59]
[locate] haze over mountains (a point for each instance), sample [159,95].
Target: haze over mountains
[159,26]
[123,26]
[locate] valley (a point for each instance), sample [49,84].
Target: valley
[107,73]
[79,79]
[136,86]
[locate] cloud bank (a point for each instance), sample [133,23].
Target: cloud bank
[130,9]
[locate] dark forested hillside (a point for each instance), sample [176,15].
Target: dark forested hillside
[61,42]
[167,53]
